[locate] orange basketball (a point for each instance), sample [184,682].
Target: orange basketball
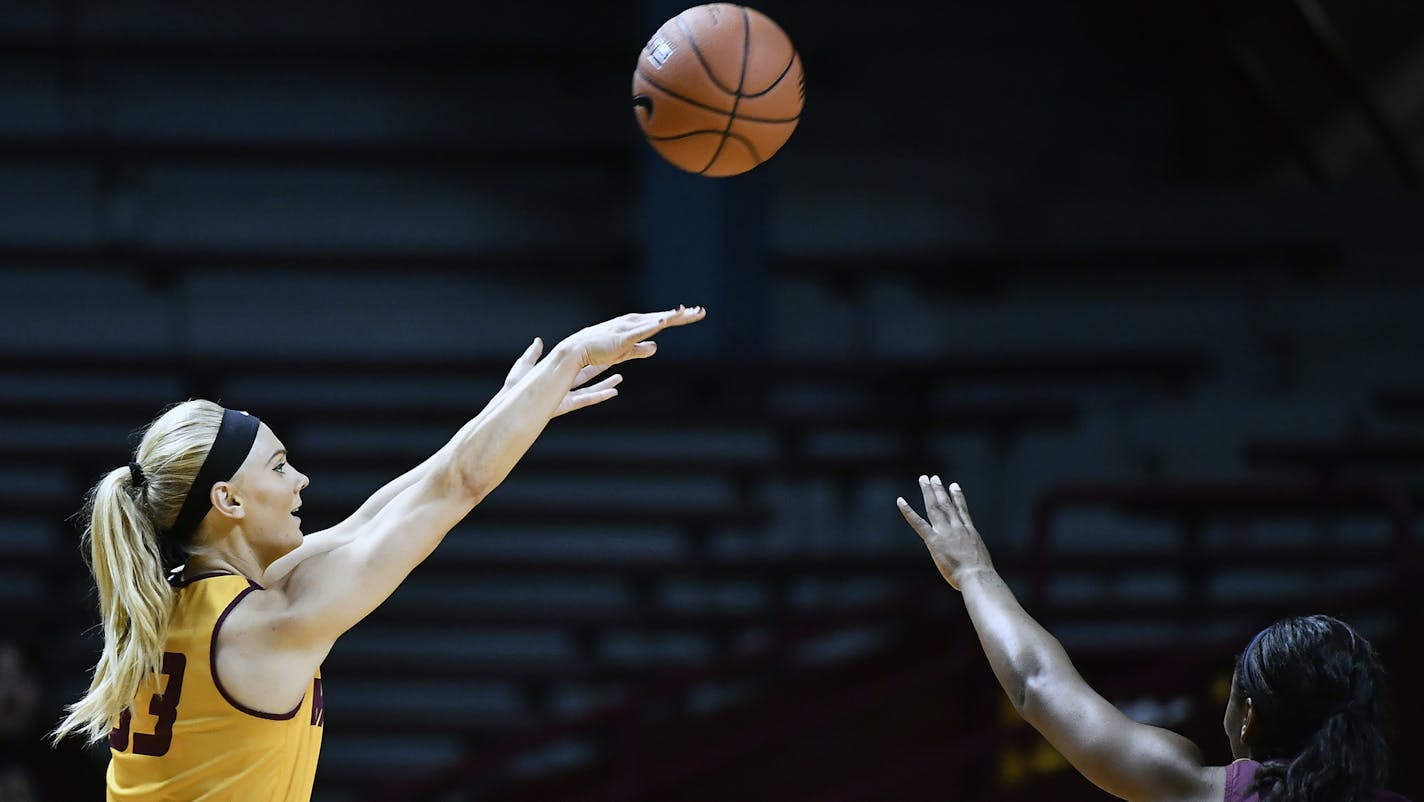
[718,89]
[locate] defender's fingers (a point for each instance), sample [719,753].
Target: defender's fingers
[920,525]
[961,504]
[943,501]
[937,514]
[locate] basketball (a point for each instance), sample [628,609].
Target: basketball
[718,89]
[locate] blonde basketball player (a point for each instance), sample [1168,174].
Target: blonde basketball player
[209,684]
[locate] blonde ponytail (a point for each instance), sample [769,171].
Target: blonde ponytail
[125,550]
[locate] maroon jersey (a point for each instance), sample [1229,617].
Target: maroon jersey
[1242,773]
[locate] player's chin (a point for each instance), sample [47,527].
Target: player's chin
[294,536]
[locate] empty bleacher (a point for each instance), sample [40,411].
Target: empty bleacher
[1095,267]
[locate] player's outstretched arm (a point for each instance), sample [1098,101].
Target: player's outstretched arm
[319,542]
[328,592]
[1128,759]
[577,397]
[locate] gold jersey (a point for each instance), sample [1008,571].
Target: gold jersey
[185,739]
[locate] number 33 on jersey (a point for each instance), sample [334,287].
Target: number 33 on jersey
[183,730]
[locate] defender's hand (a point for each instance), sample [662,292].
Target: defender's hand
[949,533]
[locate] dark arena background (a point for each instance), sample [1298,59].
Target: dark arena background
[1144,277]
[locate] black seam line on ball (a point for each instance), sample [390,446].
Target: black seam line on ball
[699,104]
[684,98]
[739,137]
[674,137]
[697,51]
[749,146]
[741,82]
[789,65]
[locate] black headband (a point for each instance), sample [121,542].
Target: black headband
[230,449]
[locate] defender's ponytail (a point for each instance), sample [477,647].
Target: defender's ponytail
[1345,759]
[1315,683]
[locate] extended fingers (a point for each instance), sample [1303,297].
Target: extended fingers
[531,354]
[652,323]
[582,400]
[920,525]
[683,315]
[641,350]
[589,396]
[943,501]
[938,515]
[525,361]
[606,384]
[587,374]
[961,505]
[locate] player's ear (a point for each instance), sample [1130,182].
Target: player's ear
[226,501]
[1248,723]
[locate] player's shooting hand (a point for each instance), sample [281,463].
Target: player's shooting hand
[626,337]
[949,533]
[579,396]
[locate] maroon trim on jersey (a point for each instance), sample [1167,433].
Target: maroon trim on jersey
[213,664]
[1241,774]
[1238,780]
[183,582]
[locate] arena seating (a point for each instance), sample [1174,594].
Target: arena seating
[1153,306]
